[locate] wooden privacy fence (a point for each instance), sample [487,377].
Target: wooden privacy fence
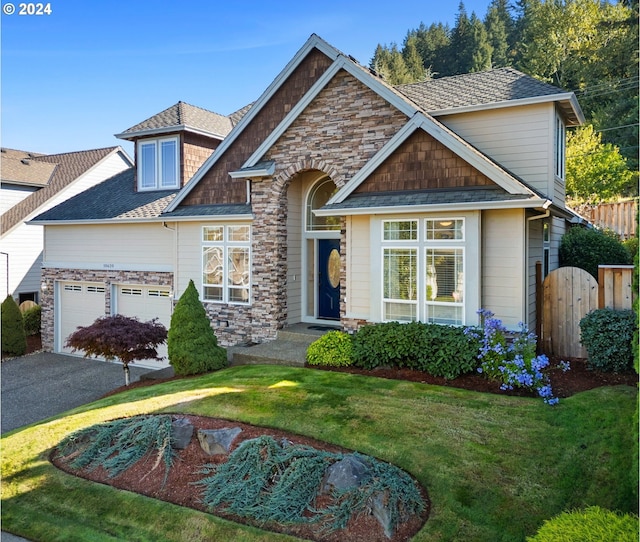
[568,294]
[620,217]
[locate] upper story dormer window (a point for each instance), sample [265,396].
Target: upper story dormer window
[158,163]
[560,147]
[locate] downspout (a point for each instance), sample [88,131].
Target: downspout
[172,294]
[546,214]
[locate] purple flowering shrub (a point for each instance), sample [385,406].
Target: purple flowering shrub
[514,363]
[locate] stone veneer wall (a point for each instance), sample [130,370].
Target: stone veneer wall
[106,277]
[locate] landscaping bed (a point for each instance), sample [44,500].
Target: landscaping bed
[180,486]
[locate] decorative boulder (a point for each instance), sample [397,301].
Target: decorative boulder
[346,473]
[217,441]
[380,510]
[181,433]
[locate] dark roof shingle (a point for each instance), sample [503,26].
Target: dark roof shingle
[179,115]
[479,88]
[111,199]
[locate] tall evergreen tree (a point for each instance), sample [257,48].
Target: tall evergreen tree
[460,46]
[500,32]
[481,49]
[432,43]
[413,60]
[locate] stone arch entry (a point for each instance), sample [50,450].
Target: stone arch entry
[313,248]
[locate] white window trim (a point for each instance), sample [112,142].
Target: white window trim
[470,258]
[226,245]
[560,147]
[158,143]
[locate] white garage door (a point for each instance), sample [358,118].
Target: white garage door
[80,303]
[146,303]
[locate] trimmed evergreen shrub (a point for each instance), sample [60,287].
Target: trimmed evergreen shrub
[192,344]
[607,335]
[436,349]
[333,349]
[32,320]
[593,524]
[14,339]
[588,248]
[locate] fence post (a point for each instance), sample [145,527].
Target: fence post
[539,298]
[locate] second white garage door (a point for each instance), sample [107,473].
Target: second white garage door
[146,303]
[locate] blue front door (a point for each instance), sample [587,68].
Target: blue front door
[329,279]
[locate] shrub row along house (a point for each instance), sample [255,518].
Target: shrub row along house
[334,198]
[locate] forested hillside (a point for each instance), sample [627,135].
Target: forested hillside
[585,46]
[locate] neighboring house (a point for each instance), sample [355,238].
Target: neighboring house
[31,184]
[335,198]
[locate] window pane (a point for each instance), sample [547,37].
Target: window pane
[212,233]
[401,230]
[400,266]
[238,295]
[168,153]
[445,275]
[238,233]
[400,312]
[238,274]
[445,229]
[317,199]
[212,293]
[212,265]
[148,165]
[444,314]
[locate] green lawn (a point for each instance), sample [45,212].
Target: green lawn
[495,467]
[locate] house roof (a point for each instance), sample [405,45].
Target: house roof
[502,86]
[183,116]
[98,202]
[22,168]
[67,167]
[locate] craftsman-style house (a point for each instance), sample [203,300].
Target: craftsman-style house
[334,198]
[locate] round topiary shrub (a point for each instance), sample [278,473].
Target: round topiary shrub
[14,339]
[191,343]
[588,248]
[590,525]
[607,335]
[333,349]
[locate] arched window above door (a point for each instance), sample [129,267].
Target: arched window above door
[318,196]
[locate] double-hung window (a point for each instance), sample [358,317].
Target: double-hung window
[423,270]
[226,258]
[158,164]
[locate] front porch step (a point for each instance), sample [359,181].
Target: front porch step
[289,347]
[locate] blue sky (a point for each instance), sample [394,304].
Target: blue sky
[93,68]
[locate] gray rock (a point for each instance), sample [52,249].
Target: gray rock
[181,433]
[380,510]
[344,474]
[217,441]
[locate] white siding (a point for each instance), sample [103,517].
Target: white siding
[24,242]
[516,137]
[558,228]
[11,195]
[294,252]
[189,256]
[133,247]
[503,265]
[358,261]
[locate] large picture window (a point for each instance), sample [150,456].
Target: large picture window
[423,270]
[158,164]
[226,263]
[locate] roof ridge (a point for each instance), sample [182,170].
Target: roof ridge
[114,147]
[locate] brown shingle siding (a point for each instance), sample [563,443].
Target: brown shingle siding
[216,186]
[422,163]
